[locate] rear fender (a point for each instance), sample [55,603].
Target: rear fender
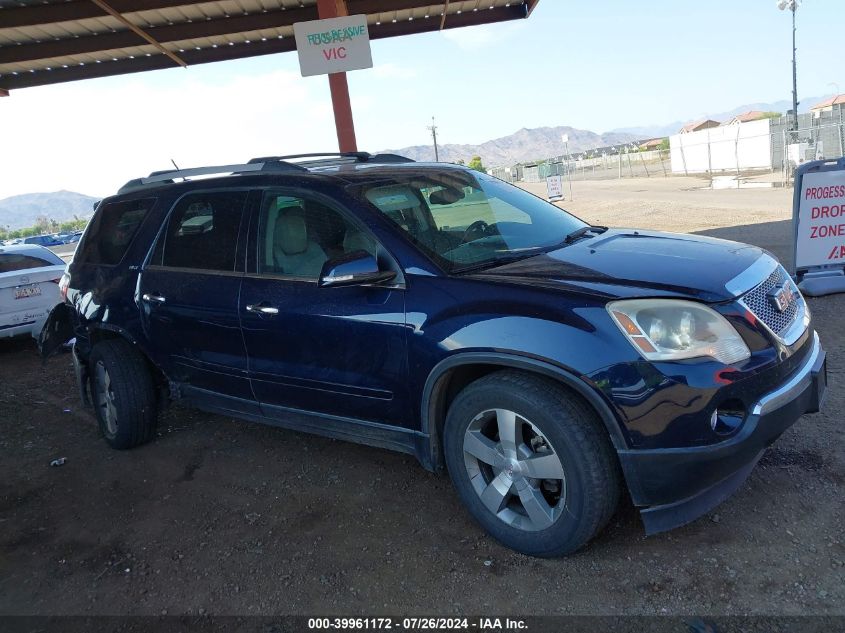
[58,330]
[83,378]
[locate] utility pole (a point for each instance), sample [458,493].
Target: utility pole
[433,129]
[565,139]
[794,75]
[792,5]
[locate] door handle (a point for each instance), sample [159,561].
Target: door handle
[151,298]
[262,308]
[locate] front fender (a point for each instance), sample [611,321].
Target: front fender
[435,384]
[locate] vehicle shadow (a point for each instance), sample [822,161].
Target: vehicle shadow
[776,237]
[17,344]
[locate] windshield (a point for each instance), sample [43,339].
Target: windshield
[465,220]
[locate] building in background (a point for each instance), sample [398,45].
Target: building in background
[652,144]
[836,103]
[697,126]
[747,117]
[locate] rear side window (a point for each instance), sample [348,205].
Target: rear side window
[10,262]
[202,232]
[111,231]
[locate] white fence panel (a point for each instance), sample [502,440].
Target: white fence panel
[725,148]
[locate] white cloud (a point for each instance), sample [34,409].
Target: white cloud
[92,137]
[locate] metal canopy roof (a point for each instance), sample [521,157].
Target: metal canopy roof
[54,41]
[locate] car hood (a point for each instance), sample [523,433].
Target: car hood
[622,263]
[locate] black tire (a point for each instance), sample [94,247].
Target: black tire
[129,418]
[566,427]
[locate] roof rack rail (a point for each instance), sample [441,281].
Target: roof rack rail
[358,157]
[166,176]
[264,164]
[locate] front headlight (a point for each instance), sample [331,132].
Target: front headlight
[671,329]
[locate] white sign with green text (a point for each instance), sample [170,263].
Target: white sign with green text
[335,45]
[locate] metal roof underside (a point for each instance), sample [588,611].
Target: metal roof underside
[55,41]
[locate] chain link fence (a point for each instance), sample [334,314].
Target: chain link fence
[758,147]
[602,167]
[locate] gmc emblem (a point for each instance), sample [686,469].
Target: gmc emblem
[782,296]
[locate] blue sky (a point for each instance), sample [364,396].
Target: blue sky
[594,65]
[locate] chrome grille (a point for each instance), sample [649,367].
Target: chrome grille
[757,300]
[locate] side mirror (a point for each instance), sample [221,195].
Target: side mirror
[354,269]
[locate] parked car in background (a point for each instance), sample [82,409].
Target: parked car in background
[42,240]
[549,365]
[29,288]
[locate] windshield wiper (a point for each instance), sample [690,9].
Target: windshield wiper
[513,256]
[582,232]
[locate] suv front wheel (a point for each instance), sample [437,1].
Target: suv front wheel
[531,462]
[123,394]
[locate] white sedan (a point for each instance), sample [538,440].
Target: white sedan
[29,288]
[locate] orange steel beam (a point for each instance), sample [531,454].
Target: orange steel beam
[338,85]
[139,31]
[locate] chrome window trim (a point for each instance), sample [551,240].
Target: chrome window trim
[198,271]
[313,281]
[752,276]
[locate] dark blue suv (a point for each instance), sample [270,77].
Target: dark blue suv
[548,364]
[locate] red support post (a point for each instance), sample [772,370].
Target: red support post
[338,85]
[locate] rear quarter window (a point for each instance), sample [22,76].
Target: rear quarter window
[10,262]
[111,231]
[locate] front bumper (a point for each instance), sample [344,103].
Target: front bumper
[677,485]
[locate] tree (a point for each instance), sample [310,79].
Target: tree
[664,144]
[475,163]
[42,223]
[72,225]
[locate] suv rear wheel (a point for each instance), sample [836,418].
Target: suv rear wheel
[123,393]
[531,462]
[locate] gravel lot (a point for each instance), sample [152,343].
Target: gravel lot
[225,517]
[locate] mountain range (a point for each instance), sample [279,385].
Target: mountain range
[521,146]
[21,211]
[529,144]
[654,131]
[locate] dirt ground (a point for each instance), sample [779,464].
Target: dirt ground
[220,516]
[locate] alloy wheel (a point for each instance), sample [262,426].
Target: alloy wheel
[514,469]
[105,398]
